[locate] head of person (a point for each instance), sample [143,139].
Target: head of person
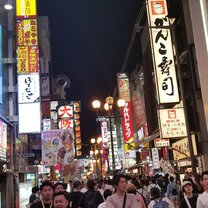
[60,200]
[77,185]
[171,179]
[187,186]
[107,193]
[91,185]
[119,182]
[35,189]
[46,190]
[131,188]
[57,187]
[155,193]
[153,180]
[204,180]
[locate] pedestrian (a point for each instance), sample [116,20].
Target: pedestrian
[202,201]
[75,194]
[120,198]
[46,191]
[35,196]
[57,187]
[140,199]
[173,192]
[60,200]
[158,200]
[189,200]
[89,198]
[106,194]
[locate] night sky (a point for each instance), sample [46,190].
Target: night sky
[89,39]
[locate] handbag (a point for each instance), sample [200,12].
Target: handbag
[187,201]
[124,201]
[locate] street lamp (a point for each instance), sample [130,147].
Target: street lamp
[96,150]
[108,106]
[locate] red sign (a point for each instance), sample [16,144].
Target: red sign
[27,59]
[65,111]
[65,123]
[27,34]
[127,124]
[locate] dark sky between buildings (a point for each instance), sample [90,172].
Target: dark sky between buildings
[89,39]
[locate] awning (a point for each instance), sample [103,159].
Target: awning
[147,139]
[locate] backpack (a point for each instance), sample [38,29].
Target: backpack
[90,200]
[174,191]
[160,204]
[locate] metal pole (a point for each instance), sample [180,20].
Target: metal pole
[112,147]
[193,160]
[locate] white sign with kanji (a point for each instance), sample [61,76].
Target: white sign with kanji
[172,123]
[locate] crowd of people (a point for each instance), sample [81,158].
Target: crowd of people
[124,192]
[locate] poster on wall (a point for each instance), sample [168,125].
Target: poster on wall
[57,147]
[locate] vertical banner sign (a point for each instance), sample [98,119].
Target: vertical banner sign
[1,84]
[162,51]
[28,67]
[27,32]
[124,93]
[104,132]
[155,158]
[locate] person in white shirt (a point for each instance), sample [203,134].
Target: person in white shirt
[202,201]
[106,194]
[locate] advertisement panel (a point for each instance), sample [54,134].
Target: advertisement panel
[27,59]
[124,93]
[183,146]
[57,147]
[104,132]
[28,88]
[26,8]
[29,118]
[27,34]
[162,51]
[3,141]
[1,84]
[172,123]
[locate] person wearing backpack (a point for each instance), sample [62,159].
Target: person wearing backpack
[91,198]
[158,201]
[173,192]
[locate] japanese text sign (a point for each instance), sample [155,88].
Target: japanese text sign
[183,147]
[26,8]
[27,32]
[124,93]
[65,111]
[172,123]
[28,86]
[27,59]
[162,51]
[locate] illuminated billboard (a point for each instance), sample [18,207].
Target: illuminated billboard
[162,52]
[27,59]
[29,118]
[28,88]
[26,8]
[27,32]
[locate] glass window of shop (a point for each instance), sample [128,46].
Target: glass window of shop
[3,55]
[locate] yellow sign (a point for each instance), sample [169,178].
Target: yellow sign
[26,8]
[27,32]
[183,147]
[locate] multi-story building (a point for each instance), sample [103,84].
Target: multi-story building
[188,25]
